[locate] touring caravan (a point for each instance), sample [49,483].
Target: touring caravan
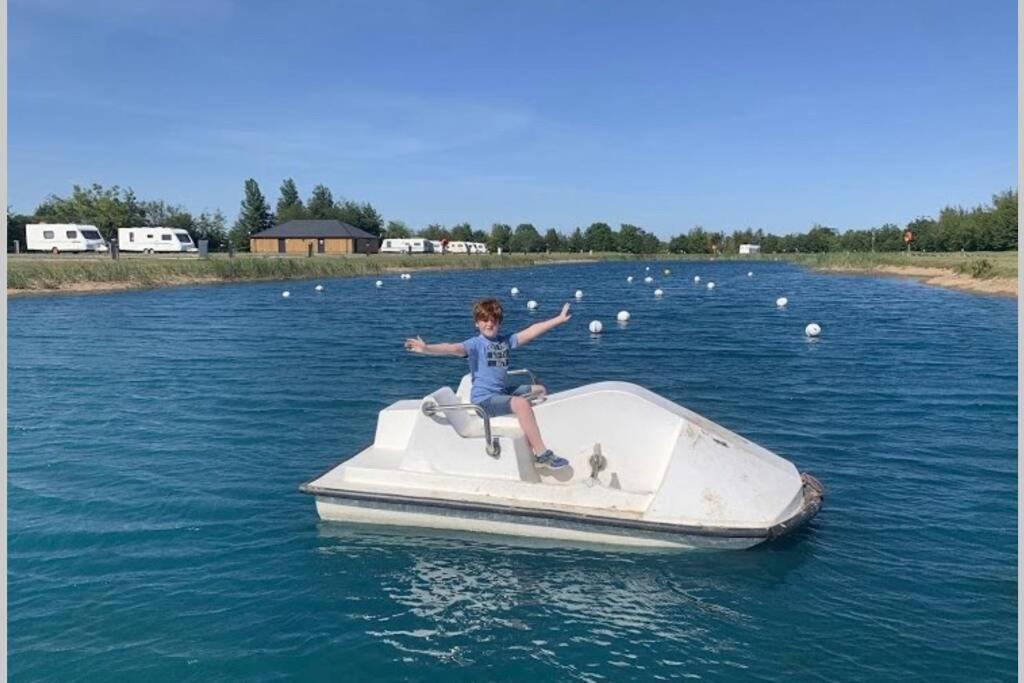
[149,240]
[58,237]
[414,245]
[467,248]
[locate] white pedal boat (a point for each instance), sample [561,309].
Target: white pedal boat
[643,472]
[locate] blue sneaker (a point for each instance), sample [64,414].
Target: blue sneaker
[550,460]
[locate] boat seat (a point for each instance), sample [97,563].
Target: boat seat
[466,423]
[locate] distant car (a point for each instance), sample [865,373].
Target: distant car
[58,237]
[151,240]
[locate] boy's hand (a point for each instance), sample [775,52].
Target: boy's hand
[416,345]
[564,315]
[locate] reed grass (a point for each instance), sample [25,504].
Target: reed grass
[31,272]
[45,272]
[980,265]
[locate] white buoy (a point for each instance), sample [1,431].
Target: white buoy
[514,290]
[596,327]
[623,316]
[658,292]
[696,278]
[711,285]
[648,279]
[750,273]
[647,268]
[812,330]
[286,294]
[319,288]
[629,278]
[379,283]
[668,272]
[531,304]
[406,276]
[781,302]
[579,293]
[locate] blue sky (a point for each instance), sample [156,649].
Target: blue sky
[771,114]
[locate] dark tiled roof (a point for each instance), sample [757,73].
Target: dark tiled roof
[324,228]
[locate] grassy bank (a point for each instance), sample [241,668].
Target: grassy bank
[989,272]
[981,272]
[67,272]
[992,264]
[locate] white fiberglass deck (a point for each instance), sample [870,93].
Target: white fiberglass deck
[670,477]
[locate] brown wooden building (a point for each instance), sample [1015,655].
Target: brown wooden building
[326,237]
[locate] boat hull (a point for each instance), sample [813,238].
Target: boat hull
[409,511]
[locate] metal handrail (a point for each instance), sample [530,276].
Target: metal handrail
[524,371]
[534,397]
[493,447]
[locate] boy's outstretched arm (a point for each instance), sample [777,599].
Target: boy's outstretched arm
[417,345]
[537,329]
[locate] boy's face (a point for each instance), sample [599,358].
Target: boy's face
[488,327]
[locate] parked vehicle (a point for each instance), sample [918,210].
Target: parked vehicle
[415,245]
[467,248]
[150,240]
[58,237]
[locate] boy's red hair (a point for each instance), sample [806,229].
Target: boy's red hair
[488,309]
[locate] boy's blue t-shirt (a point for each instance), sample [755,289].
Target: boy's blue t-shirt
[488,364]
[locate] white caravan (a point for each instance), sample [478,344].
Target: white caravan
[414,245]
[467,248]
[149,240]
[58,237]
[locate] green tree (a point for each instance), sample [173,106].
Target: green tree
[107,209]
[526,239]
[436,232]
[462,233]
[362,216]
[576,243]
[599,237]
[211,227]
[680,244]
[397,229]
[630,239]
[554,241]
[649,243]
[321,203]
[289,204]
[16,223]
[1002,228]
[254,216]
[500,238]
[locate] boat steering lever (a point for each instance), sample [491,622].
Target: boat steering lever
[492,445]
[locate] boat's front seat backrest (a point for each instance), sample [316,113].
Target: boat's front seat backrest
[465,423]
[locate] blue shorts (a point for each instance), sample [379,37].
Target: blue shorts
[501,404]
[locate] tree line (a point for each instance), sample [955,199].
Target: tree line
[990,227]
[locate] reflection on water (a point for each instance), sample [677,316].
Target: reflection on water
[454,597]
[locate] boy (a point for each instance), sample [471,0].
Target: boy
[488,365]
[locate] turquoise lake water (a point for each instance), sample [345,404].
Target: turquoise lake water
[157,440]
